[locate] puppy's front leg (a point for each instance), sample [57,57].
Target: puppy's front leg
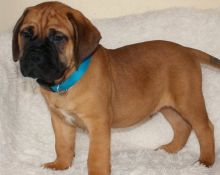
[99,148]
[64,143]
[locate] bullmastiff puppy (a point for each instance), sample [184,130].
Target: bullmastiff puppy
[86,85]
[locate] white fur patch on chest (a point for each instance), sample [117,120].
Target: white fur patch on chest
[67,117]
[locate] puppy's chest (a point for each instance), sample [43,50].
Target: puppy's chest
[71,118]
[68,117]
[66,108]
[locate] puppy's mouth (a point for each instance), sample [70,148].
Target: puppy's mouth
[45,83]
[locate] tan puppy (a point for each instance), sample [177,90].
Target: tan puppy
[120,88]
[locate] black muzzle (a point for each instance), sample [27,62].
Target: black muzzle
[40,60]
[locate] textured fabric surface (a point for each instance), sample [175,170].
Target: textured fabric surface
[26,136]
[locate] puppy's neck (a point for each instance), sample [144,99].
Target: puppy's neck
[70,69]
[71,76]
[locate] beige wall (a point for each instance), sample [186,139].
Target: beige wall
[10,10]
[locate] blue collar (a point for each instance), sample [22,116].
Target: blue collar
[74,77]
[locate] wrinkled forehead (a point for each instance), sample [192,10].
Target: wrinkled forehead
[43,19]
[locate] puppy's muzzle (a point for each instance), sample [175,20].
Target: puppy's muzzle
[41,60]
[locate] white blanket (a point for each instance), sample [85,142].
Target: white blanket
[26,137]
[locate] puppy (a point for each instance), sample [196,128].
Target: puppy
[86,85]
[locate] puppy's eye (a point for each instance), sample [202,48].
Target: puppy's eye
[58,38]
[27,34]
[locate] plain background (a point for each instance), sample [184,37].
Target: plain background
[10,10]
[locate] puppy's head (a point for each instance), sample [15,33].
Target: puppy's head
[51,38]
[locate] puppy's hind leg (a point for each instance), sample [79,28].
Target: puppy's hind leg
[194,112]
[180,128]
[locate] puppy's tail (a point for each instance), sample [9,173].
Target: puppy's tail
[205,58]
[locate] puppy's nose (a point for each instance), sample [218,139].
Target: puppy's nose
[37,59]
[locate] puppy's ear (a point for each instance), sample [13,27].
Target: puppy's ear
[15,46]
[86,37]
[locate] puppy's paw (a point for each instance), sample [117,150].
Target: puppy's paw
[207,163]
[57,165]
[170,148]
